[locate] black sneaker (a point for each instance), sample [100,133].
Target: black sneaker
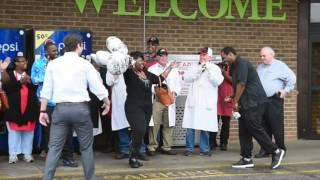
[151,153]
[223,147]
[207,153]
[122,156]
[168,152]
[143,157]
[134,163]
[242,163]
[69,163]
[187,153]
[277,157]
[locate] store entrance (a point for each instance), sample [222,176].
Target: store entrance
[314,123]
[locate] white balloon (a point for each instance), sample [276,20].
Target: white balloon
[102,57]
[93,57]
[123,49]
[117,63]
[113,43]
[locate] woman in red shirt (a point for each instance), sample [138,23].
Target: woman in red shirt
[23,110]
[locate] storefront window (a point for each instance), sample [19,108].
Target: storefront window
[315,13]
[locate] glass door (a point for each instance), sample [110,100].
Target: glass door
[314,125]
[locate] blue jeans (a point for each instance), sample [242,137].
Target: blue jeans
[124,142]
[204,140]
[20,142]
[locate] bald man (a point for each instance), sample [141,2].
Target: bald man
[277,80]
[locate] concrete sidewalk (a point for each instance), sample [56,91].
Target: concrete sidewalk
[299,152]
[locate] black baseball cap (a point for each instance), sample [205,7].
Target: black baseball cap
[153,40]
[162,51]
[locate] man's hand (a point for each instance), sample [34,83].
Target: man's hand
[25,79]
[105,106]
[44,119]
[228,99]
[4,65]
[283,93]
[235,107]
[174,95]
[174,64]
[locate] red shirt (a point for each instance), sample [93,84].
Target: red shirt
[225,90]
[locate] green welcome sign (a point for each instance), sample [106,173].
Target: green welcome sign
[224,11]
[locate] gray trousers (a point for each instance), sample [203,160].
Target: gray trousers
[68,116]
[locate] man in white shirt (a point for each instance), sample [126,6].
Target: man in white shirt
[66,82]
[161,114]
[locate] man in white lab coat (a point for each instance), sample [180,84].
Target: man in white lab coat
[163,115]
[200,111]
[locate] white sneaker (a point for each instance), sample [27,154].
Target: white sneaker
[13,159]
[28,158]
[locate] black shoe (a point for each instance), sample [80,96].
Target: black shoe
[134,163]
[121,156]
[151,153]
[69,163]
[242,163]
[169,152]
[187,153]
[262,154]
[207,153]
[223,147]
[143,157]
[277,157]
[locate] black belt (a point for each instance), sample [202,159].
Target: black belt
[275,96]
[72,103]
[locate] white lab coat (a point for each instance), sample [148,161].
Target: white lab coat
[118,98]
[200,111]
[174,83]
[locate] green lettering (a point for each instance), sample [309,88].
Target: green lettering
[152,10]
[176,10]
[240,7]
[97,4]
[204,10]
[254,10]
[122,9]
[269,10]
[81,4]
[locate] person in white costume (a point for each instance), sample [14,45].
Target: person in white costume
[161,114]
[200,111]
[119,120]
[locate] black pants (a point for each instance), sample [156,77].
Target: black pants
[250,126]
[138,118]
[224,133]
[273,120]
[67,152]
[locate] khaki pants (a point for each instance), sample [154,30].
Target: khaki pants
[160,117]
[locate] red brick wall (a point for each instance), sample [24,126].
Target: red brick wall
[177,35]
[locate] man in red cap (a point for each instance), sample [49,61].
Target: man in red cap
[200,111]
[151,52]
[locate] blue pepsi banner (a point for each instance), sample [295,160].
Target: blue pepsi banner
[41,37]
[12,41]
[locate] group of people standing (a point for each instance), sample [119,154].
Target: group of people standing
[216,91]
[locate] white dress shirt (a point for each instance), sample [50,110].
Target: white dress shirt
[68,78]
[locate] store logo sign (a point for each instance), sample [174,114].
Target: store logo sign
[224,11]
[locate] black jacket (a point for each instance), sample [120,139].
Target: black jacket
[12,88]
